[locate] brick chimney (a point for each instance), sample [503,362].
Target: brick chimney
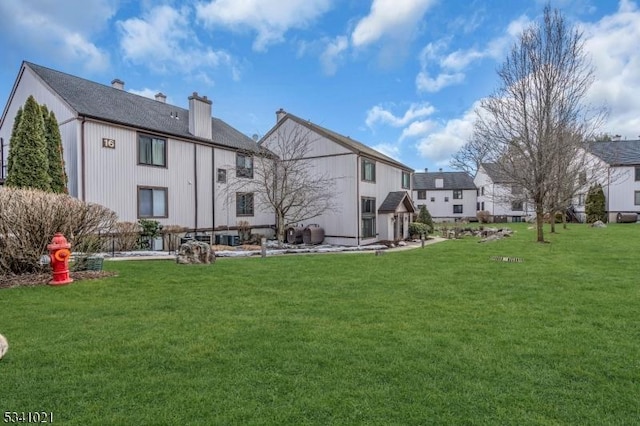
[280,114]
[161,97]
[116,83]
[200,116]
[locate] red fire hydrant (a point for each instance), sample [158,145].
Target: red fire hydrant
[59,257]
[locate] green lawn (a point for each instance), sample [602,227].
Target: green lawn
[440,335]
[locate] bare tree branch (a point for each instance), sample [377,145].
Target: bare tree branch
[534,126]
[287,182]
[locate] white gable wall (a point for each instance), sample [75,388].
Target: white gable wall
[496,197]
[443,210]
[620,191]
[29,84]
[329,158]
[342,225]
[388,179]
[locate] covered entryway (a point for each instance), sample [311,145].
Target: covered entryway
[394,216]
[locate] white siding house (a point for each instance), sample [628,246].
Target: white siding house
[504,201]
[621,177]
[448,196]
[143,158]
[372,191]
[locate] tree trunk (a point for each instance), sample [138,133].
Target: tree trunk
[540,224]
[552,221]
[280,228]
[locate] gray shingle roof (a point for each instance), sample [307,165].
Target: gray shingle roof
[451,180]
[347,142]
[495,173]
[393,201]
[107,103]
[617,153]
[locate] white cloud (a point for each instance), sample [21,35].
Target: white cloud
[424,83]
[390,150]
[459,59]
[612,44]
[270,20]
[415,111]
[333,53]
[418,128]
[389,17]
[468,23]
[449,68]
[439,146]
[63,32]
[163,40]
[146,92]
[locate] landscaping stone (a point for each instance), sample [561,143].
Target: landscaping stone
[195,252]
[598,224]
[4,346]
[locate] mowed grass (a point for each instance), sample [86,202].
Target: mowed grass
[440,335]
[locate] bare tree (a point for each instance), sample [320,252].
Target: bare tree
[534,126]
[568,175]
[288,182]
[471,155]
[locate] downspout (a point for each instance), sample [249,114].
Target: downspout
[608,187]
[358,220]
[213,190]
[493,203]
[83,161]
[195,187]
[1,159]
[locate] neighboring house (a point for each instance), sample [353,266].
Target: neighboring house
[497,195]
[621,176]
[447,195]
[143,158]
[372,190]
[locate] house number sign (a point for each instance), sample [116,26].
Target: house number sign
[108,143]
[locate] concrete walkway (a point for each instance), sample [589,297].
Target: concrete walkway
[166,256]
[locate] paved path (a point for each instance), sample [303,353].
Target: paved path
[165,256]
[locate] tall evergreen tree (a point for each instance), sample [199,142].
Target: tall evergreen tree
[425,217]
[595,208]
[28,151]
[14,132]
[54,152]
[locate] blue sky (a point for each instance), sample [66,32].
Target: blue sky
[402,76]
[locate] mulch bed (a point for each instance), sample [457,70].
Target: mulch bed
[33,280]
